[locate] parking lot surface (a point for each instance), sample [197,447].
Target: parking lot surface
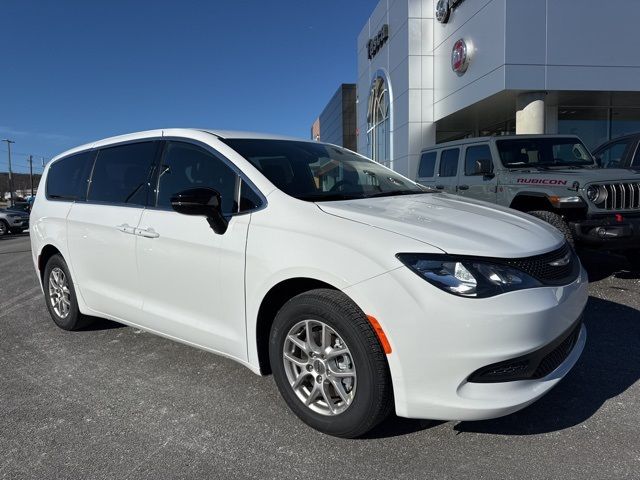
[116,402]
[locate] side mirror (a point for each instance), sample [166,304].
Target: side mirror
[202,202]
[484,167]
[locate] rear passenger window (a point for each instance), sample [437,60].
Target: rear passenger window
[477,160]
[449,162]
[427,165]
[67,178]
[186,166]
[121,174]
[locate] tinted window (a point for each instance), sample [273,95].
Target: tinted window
[449,162]
[427,165]
[67,178]
[249,199]
[477,160]
[636,158]
[613,155]
[186,166]
[121,174]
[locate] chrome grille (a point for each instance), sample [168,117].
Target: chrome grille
[621,196]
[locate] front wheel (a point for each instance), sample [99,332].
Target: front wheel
[4,228]
[329,365]
[557,221]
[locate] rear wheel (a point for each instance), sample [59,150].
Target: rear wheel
[557,221]
[60,295]
[4,228]
[328,364]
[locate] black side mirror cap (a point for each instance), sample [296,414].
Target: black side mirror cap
[202,202]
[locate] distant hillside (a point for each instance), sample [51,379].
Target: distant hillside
[20,182]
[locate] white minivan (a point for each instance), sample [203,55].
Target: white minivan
[360,290]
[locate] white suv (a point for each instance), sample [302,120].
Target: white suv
[360,290]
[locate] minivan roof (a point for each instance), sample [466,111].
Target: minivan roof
[168,132]
[466,141]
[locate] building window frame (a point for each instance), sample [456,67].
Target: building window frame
[379,119]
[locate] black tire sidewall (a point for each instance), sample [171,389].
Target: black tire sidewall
[4,228]
[74,319]
[363,405]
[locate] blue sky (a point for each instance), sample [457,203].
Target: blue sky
[73,71]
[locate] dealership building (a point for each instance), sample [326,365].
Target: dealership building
[430,71]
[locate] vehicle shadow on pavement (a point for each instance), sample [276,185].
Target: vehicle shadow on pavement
[98,323]
[600,265]
[608,366]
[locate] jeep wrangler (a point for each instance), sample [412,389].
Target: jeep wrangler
[552,177]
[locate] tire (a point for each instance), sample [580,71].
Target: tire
[368,391]
[65,315]
[4,228]
[557,221]
[633,256]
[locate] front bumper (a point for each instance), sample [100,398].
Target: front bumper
[613,231]
[440,340]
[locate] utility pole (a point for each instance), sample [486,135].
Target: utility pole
[9,142]
[31,173]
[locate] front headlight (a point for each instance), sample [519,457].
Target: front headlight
[467,277]
[597,194]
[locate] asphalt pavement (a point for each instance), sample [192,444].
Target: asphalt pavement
[113,402]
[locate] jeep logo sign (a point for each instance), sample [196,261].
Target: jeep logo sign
[375,44]
[444,9]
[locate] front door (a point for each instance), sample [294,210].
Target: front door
[193,278]
[477,179]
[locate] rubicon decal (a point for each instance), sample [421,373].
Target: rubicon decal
[542,181]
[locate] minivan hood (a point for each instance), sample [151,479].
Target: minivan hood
[453,224]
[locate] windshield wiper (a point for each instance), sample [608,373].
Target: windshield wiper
[392,193]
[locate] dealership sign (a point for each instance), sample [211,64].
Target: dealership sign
[375,44]
[460,57]
[444,9]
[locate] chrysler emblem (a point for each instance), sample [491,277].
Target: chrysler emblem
[443,10]
[561,262]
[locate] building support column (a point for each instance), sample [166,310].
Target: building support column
[530,114]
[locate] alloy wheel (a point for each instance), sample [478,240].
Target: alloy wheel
[319,367]
[59,293]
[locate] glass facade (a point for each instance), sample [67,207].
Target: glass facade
[378,123]
[597,125]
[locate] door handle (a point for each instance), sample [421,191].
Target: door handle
[463,187]
[126,228]
[440,187]
[147,232]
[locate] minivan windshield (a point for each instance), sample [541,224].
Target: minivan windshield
[320,172]
[544,152]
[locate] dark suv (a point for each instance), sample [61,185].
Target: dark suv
[623,152]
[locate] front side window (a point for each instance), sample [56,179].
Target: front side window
[449,162]
[318,172]
[378,122]
[613,155]
[543,153]
[427,166]
[185,166]
[477,160]
[67,177]
[121,174]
